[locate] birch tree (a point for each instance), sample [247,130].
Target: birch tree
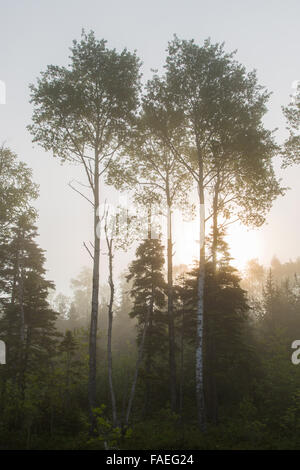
[158,179]
[118,236]
[83,113]
[215,103]
[244,185]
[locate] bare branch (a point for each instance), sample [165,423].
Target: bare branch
[88,251]
[85,197]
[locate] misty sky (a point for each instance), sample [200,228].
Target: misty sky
[35,33]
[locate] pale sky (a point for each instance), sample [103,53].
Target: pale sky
[36,33]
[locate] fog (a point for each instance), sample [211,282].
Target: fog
[42,33]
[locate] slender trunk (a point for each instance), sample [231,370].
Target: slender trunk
[148,359]
[95,301]
[109,332]
[200,303]
[2,352]
[137,368]
[172,360]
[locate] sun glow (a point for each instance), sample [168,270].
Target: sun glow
[244,244]
[186,244]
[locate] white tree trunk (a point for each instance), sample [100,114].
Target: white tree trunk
[95,303]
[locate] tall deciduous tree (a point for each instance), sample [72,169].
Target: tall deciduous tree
[218,108]
[243,184]
[114,237]
[160,180]
[83,113]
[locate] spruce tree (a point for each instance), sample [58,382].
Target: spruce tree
[28,323]
[226,353]
[149,300]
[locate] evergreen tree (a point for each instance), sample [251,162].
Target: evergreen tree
[68,347]
[149,300]
[28,323]
[226,352]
